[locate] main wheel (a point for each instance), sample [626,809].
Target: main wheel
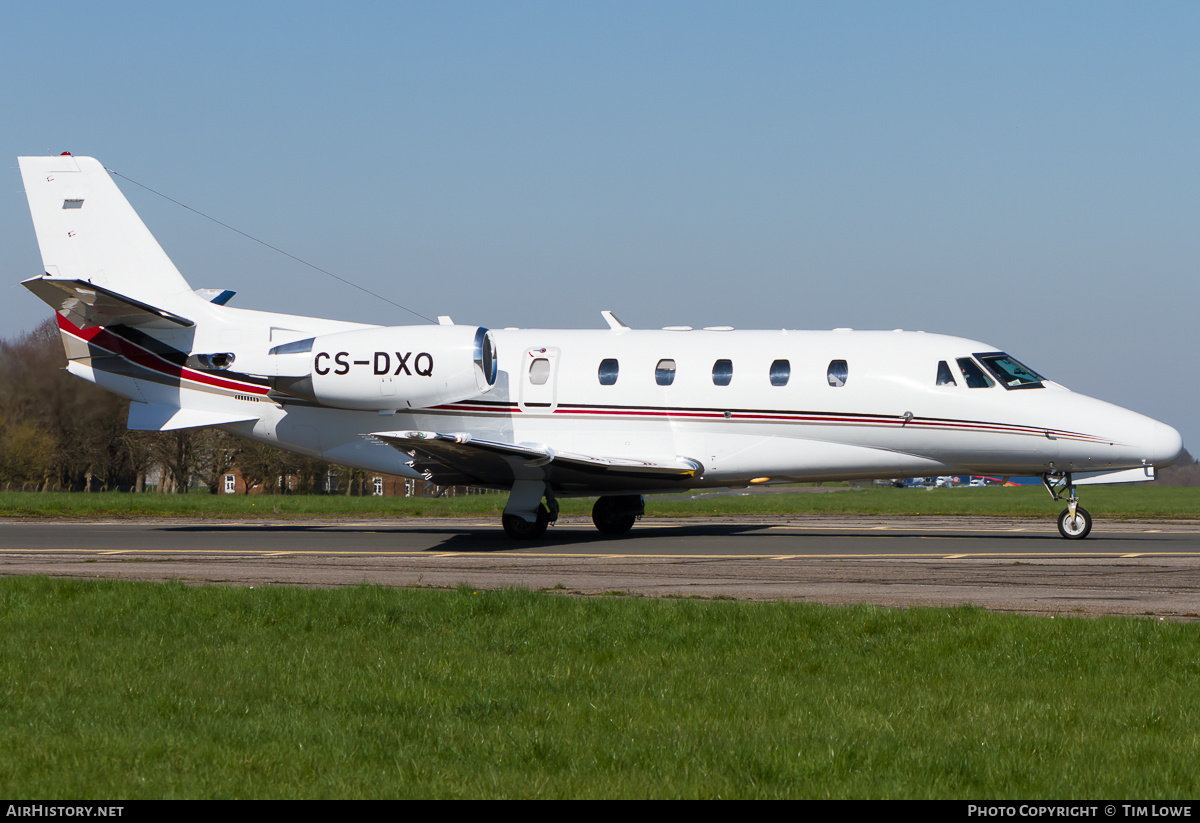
[518,528]
[1075,528]
[613,518]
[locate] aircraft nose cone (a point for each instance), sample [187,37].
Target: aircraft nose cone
[1167,445]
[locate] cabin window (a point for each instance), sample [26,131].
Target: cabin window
[974,375]
[838,373]
[945,376]
[722,372]
[1011,373]
[539,371]
[781,371]
[608,371]
[664,372]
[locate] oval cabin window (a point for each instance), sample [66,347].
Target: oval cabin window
[781,372]
[839,372]
[664,372]
[722,372]
[539,371]
[608,371]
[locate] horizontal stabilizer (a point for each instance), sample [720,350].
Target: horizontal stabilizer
[148,417]
[87,305]
[447,458]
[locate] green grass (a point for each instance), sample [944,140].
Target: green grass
[125,690]
[202,505]
[1145,502]
[1157,502]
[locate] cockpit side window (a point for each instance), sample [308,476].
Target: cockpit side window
[945,377]
[974,375]
[1011,373]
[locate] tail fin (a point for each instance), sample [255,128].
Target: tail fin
[87,231]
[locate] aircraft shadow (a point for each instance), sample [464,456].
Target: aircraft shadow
[491,539]
[481,539]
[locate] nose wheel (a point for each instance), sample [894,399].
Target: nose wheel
[1076,526]
[1075,522]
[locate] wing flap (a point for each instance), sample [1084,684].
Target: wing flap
[494,463]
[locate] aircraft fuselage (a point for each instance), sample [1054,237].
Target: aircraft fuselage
[617,412]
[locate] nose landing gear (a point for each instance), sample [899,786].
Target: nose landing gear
[1074,526]
[1075,521]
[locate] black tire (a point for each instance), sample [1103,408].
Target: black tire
[611,517]
[518,528]
[1078,528]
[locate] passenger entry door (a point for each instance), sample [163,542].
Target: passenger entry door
[539,380]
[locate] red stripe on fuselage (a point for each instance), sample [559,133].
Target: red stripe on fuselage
[830,418]
[105,339]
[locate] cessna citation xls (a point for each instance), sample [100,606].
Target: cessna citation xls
[617,413]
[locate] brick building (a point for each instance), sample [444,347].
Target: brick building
[373,485]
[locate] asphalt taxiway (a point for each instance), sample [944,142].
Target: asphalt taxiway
[1005,565]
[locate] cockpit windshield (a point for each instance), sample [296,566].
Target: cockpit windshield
[1011,373]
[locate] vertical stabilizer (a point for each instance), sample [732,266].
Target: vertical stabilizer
[87,231]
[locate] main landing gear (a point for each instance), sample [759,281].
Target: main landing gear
[518,528]
[1075,522]
[527,516]
[614,515]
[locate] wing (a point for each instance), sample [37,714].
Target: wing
[454,459]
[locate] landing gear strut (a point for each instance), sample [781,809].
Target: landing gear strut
[518,528]
[615,514]
[1075,522]
[526,516]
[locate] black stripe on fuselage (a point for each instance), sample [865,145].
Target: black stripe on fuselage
[174,356]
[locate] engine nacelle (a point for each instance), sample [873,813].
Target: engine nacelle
[394,367]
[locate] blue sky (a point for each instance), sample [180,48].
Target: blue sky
[1020,173]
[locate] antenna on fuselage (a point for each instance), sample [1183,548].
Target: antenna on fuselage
[612,321]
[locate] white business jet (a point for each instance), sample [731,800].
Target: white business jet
[615,413]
